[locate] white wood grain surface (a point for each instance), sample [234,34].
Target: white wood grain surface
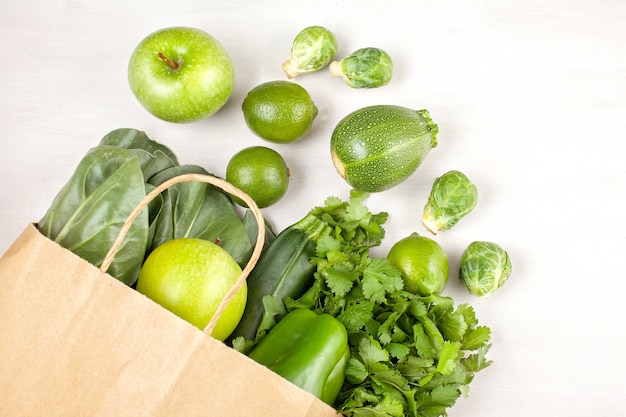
[530,98]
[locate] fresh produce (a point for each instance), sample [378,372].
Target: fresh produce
[260,172]
[377,147]
[190,277]
[451,198]
[109,182]
[279,111]
[371,336]
[181,74]
[283,270]
[308,349]
[409,355]
[153,157]
[250,224]
[422,262]
[83,218]
[313,48]
[364,68]
[198,210]
[485,267]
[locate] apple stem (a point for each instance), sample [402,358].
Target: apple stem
[173,65]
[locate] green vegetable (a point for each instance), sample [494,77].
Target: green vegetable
[283,270]
[409,355]
[309,350]
[196,209]
[153,156]
[312,49]
[452,196]
[109,182]
[378,147]
[88,212]
[364,68]
[485,267]
[250,224]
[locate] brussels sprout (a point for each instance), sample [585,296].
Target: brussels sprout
[485,267]
[364,68]
[452,197]
[313,48]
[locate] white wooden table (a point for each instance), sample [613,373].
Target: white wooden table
[530,98]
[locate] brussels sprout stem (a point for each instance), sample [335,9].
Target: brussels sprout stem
[430,226]
[290,69]
[173,65]
[335,69]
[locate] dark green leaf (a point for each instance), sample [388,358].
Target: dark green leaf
[87,214]
[153,156]
[199,210]
[252,228]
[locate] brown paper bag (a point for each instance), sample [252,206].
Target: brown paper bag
[76,342]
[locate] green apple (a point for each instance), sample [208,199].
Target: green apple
[190,277]
[181,74]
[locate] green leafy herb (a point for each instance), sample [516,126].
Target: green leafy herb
[410,355]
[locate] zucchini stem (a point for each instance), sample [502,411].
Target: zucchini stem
[314,228]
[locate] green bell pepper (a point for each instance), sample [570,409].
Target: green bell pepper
[308,349]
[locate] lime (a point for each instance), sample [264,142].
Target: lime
[260,172]
[422,262]
[279,111]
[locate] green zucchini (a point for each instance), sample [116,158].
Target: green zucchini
[377,147]
[283,270]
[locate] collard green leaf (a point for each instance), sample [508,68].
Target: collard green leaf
[88,212]
[158,158]
[250,224]
[200,210]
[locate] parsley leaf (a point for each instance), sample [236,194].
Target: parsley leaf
[339,278]
[356,315]
[447,357]
[409,355]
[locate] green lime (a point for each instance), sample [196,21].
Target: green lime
[279,111]
[422,262]
[260,172]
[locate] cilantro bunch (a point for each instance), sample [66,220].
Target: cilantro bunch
[410,355]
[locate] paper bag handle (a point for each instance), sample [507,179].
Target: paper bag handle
[225,186]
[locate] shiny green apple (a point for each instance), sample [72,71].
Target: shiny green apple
[190,277]
[181,74]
